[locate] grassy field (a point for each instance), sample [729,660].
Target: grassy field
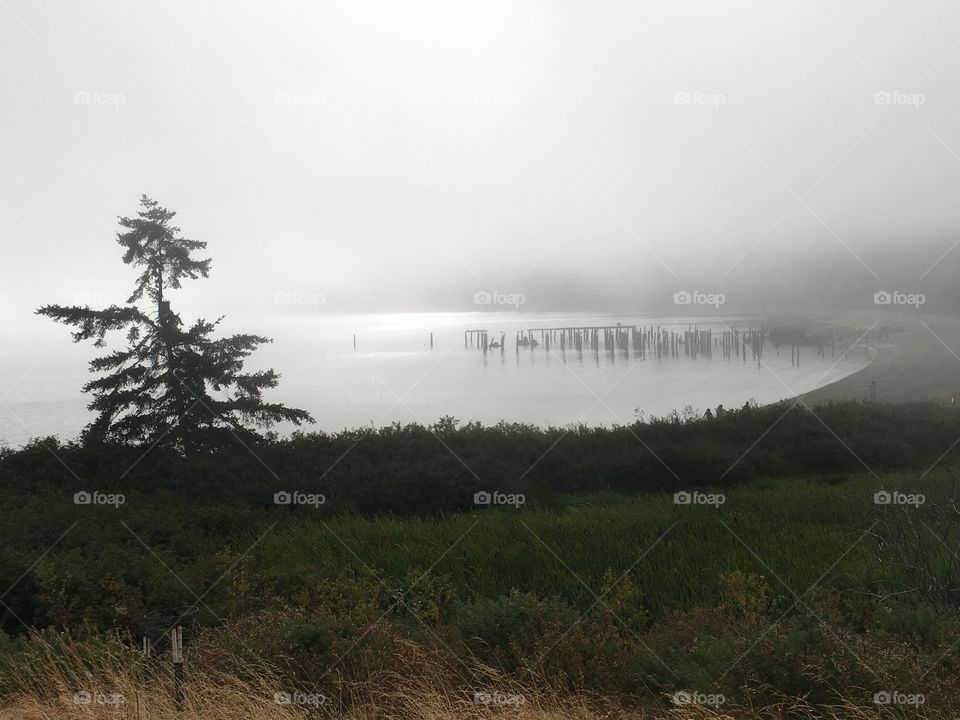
[676,553]
[821,575]
[779,590]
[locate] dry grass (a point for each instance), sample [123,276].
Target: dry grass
[45,684]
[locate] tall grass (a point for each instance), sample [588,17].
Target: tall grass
[786,597]
[791,531]
[58,668]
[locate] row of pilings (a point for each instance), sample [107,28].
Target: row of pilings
[642,341]
[658,342]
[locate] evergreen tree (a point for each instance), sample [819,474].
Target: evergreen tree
[171,384]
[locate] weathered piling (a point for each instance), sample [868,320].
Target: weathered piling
[669,342]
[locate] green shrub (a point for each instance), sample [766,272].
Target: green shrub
[502,630]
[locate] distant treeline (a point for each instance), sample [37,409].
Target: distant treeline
[413,469]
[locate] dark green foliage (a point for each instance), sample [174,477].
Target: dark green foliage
[172,384]
[391,559]
[515,589]
[498,629]
[407,470]
[156,246]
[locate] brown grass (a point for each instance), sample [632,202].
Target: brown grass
[45,682]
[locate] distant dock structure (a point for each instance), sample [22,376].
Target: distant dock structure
[641,341]
[663,343]
[660,342]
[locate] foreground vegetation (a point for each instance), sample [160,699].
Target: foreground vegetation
[598,596]
[426,690]
[794,589]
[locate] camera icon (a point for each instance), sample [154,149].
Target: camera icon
[82,698]
[282,298]
[682,697]
[882,497]
[82,98]
[282,698]
[682,498]
[682,98]
[682,298]
[482,297]
[882,298]
[482,498]
[882,698]
[82,498]
[282,498]
[882,98]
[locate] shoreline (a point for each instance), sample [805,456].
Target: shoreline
[919,360]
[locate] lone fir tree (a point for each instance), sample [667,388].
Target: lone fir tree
[171,385]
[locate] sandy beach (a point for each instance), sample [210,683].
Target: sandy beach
[919,360]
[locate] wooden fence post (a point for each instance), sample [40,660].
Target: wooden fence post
[176,643]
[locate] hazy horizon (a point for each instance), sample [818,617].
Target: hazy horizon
[406,157]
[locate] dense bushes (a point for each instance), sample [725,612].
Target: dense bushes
[388,558]
[430,470]
[712,607]
[184,523]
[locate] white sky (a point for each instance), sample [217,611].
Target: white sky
[406,154]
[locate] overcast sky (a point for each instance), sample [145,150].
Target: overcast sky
[407,154]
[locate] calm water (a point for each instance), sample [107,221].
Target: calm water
[394,376]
